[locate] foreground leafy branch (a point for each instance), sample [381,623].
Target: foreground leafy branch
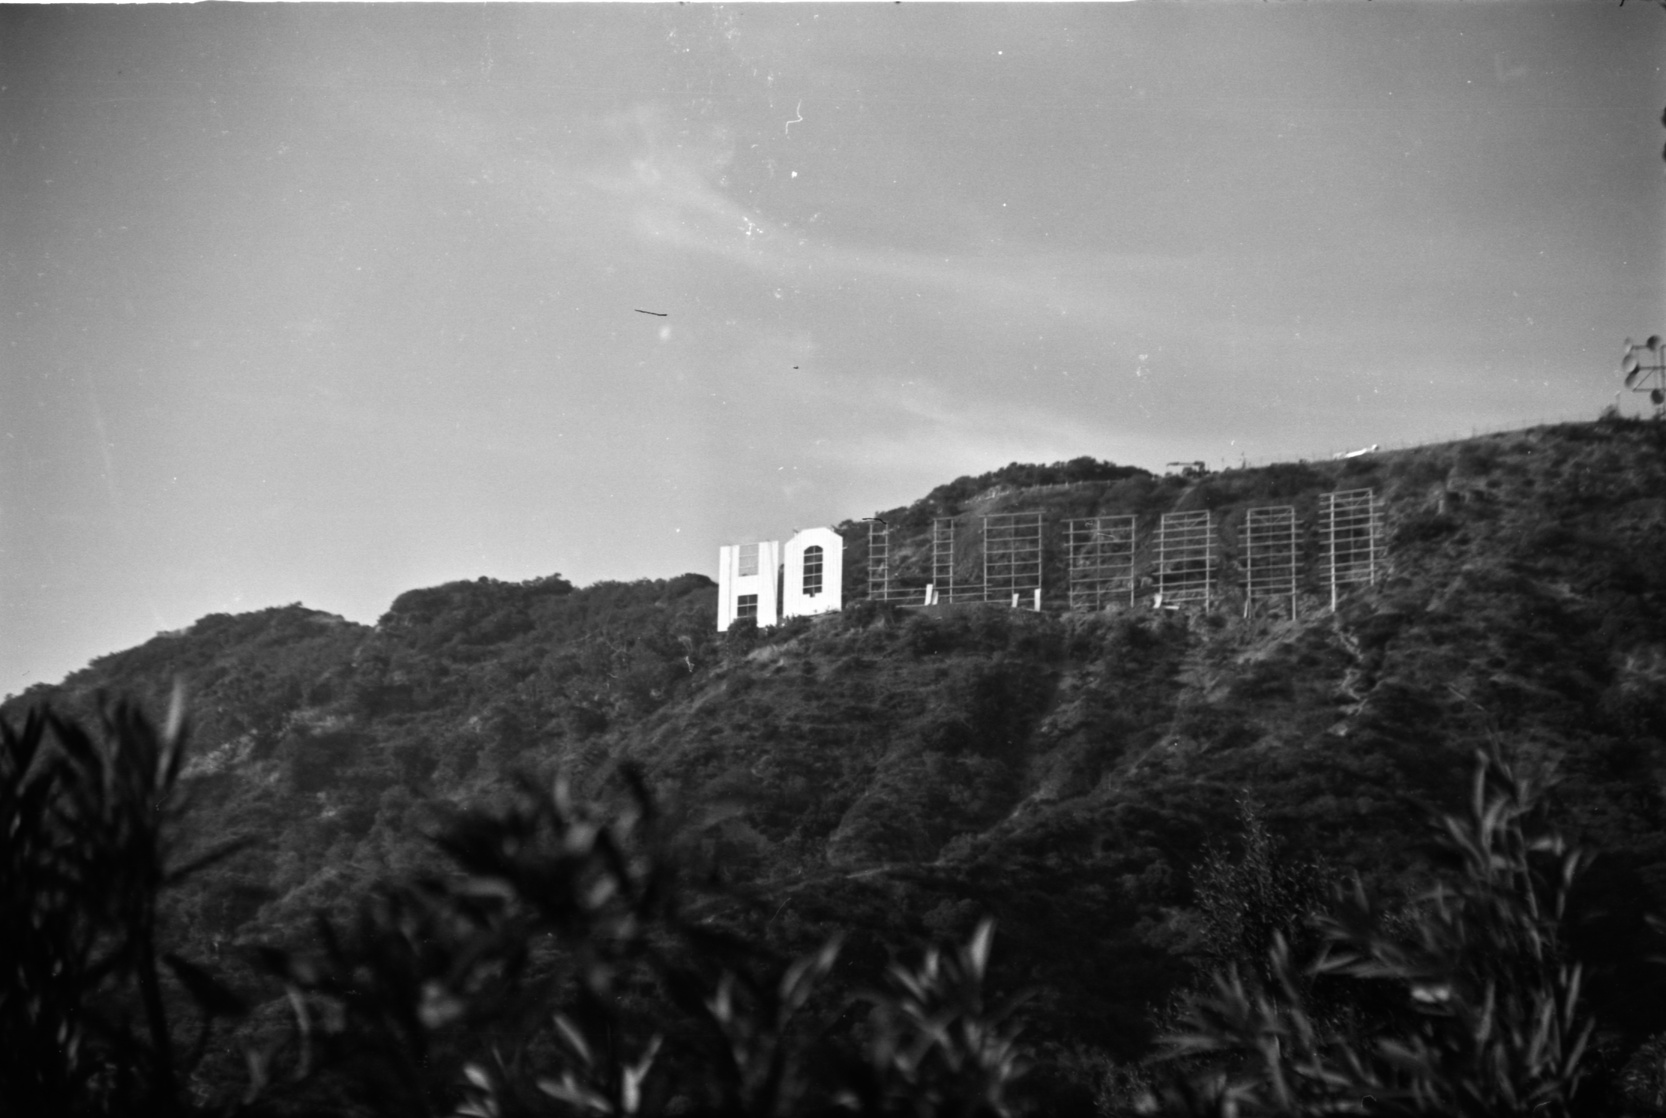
[577,961]
[582,959]
[87,823]
[1464,1002]
[581,962]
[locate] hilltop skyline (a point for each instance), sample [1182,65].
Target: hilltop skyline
[324,303]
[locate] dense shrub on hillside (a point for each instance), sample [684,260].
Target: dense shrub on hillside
[577,959]
[96,1015]
[468,604]
[1019,475]
[581,657]
[1465,1000]
[1263,895]
[1066,773]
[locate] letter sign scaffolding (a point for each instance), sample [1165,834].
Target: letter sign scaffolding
[1012,556]
[942,558]
[1350,525]
[879,561]
[1107,559]
[1185,557]
[1269,557]
[1101,570]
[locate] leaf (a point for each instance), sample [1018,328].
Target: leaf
[574,1038]
[259,1063]
[24,745]
[978,950]
[175,736]
[75,743]
[570,1091]
[634,1074]
[801,977]
[1402,1056]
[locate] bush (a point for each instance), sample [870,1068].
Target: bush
[864,612]
[579,958]
[579,962]
[1465,1002]
[741,636]
[1249,903]
[1422,527]
[90,1003]
[1018,475]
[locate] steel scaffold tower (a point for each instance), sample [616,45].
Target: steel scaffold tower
[1101,560]
[1350,524]
[942,558]
[1186,557]
[1011,555]
[1270,557]
[879,560]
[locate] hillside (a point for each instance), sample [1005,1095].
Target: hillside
[899,772]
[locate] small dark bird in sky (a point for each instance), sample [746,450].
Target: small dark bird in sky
[656,314]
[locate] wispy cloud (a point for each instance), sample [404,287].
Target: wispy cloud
[674,199]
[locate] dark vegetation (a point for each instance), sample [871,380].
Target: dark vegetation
[890,777]
[1018,475]
[575,959]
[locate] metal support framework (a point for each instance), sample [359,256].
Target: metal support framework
[942,558]
[1186,557]
[1011,555]
[1269,556]
[1101,561]
[1350,525]
[1644,367]
[879,560]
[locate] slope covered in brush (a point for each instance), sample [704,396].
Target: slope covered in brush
[900,772]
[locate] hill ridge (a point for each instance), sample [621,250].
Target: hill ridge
[896,773]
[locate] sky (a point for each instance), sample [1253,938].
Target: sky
[322,303]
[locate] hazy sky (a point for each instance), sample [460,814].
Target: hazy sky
[324,303]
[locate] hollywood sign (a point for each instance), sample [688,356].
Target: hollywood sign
[1108,560]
